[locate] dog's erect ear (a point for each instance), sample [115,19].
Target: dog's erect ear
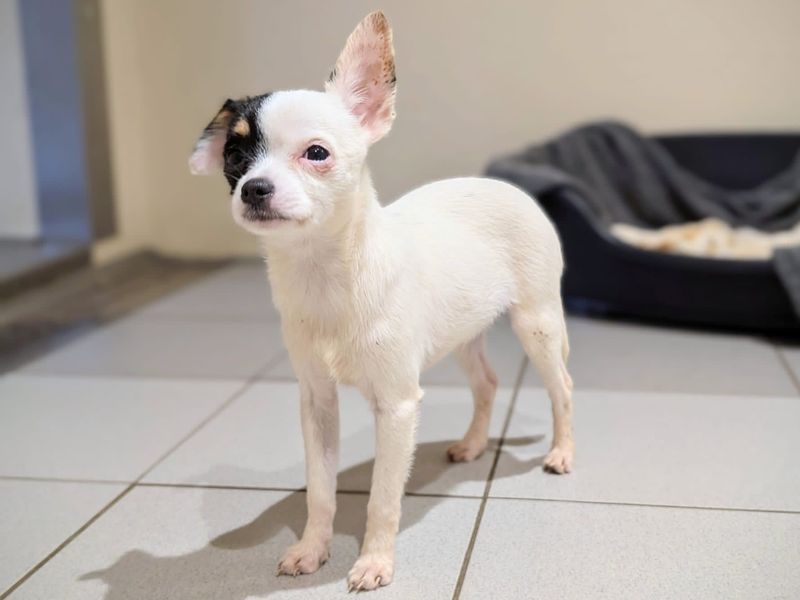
[364,75]
[207,155]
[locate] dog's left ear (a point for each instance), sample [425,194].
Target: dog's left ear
[364,75]
[207,155]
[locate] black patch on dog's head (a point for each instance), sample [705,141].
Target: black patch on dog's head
[237,124]
[245,140]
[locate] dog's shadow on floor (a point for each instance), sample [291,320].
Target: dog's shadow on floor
[240,563]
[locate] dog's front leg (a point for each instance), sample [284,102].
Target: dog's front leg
[396,424]
[320,418]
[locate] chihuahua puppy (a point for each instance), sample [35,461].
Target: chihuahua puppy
[370,295]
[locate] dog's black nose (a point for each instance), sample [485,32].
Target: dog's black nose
[257,191]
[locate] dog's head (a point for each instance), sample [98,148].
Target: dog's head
[294,159]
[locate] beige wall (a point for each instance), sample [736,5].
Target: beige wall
[475,79]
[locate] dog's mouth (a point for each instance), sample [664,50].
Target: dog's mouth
[261,214]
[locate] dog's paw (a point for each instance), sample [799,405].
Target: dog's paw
[303,558]
[559,459]
[370,572]
[466,450]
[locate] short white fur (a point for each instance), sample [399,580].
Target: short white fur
[371,296]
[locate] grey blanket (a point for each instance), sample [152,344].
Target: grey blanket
[624,177]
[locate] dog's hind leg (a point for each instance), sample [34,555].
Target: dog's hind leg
[543,334]
[483,383]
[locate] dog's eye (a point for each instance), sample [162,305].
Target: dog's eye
[316,153]
[234,159]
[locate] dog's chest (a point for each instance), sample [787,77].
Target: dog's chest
[337,347]
[341,360]
[333,319]
[338,343]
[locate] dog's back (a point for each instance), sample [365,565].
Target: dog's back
[474,210]
[477,247]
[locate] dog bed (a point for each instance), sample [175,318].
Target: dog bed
[603,173]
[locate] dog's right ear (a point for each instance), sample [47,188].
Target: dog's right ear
[364,75]
[207,155]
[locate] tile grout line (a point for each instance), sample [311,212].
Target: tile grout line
[23,372]
[787,367]
[64,480]
[257,488]
[252,488]
[210,417]
[260,377]
[479,516]
[777,511]
[262,374]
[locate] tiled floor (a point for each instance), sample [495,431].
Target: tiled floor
[160,457]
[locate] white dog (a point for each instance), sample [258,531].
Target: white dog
[371,296]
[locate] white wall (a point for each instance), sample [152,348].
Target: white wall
[474,79]
[18,207]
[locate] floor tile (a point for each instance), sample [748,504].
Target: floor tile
[237,292]
[623,356]
[138,346]
[673,449]
[561,551]
[201,544]
[280,370]
[257,441]
[110,429]
[503,349]
[36,516]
